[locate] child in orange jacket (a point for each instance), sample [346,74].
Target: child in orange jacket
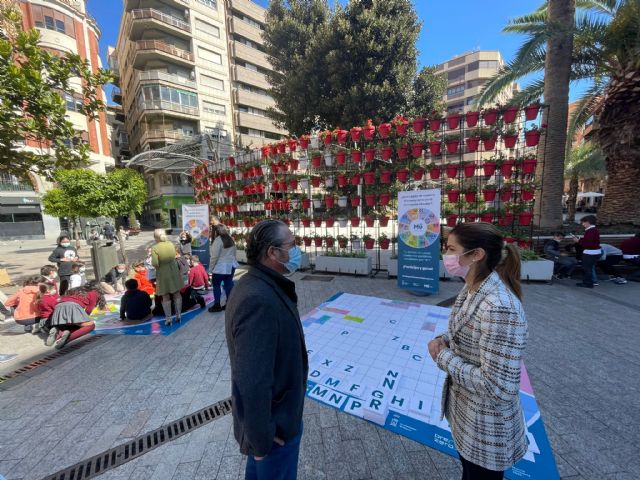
[141,277]
[25,303]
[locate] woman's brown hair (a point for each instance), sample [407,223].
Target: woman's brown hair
[500,258]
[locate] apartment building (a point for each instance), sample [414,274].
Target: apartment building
[65,26]
[467,73]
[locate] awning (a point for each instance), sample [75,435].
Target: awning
[590,194]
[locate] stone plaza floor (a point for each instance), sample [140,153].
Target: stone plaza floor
[582,356]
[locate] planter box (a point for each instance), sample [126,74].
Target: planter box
[358,266]
[537,270]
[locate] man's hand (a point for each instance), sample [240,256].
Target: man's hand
[277,440]
[436,346]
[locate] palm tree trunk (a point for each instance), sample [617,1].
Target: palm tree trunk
[621,201]
[552,149]
[571,201]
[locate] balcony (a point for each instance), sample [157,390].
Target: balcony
[116,95]
[257,122]
[157,75]
[250,55]
[246,75]
[140,20]
[251,99]
[245,29]
[145,50]
[133,4]
[168,136]
[165,107]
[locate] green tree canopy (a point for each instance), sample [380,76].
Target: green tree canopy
[31,106]
[85,193]
[428,92]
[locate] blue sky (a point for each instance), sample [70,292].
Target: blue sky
[449,27]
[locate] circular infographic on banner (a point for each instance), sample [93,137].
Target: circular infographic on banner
[199,232]
[419,228]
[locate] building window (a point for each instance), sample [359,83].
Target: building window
[209,56]
[209,3]
[216,132]
[491,64]
[168,94]
[50,19]
[251,110]
[215,108]
[455,90]
[469,100]
[207,29]
[10,183]
[252,89]
[214,83]
[73,104]
[456,75]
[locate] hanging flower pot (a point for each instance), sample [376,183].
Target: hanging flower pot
[265,151]
[384,129]
[510,114]
[453,121]
[452,220]
[232,162]
[470,197]
[268,205]
[435,124]
[490,116]
[316,161]
[435,148]
[489,168]
[451,170]
[385,152]
[356,156]
[532,138]
[355,133]
[275,168]
[282,147]
[295,203]
[317,203]
[293,144]
[531,111]
[528,194]
[384,199]
[402,175]
[369,243]
[369,155]
[328,181]
[317,241]
[418,125]
[384,221]
[304,142]
[524,244]
[307,241]
[452,146]
[343,201]
[385,176]
[505,220]
[472,119]
[510,140]
[275,186]
[470,217]
[343,222]
[469,169]
[341,136]
[403,152]
[370,199]
[329,221]
[355,221]
[282,185]
[329,201]
[489,143]
[489,194]
[341,157]
[355,180]
[417,174]
[342,242]
[506,169]
[294,164]
[317,222]
[529,165]
[329,242]
[434,173]
[524,218]
[384,243]
[315,181]
[355,201]
[486,217]
[328,159]
[369,178]
[342,180]
[369,220]
[306,203]
[304,184]
[453,195]
[416,150]
[505,194]
[472,144]
[327,139]
[401,129]
[369,131]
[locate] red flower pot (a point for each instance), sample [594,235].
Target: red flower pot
[341,136]
[510,140]
[527,195]
[524,244]
[506,169]
[472,119]
[293,164]
[384,199]
[275,168]
[385,176]
[486,217]
[416,150]
[282,147]
[532,138]
[505,195]
[435,148]
[452,146]
[293,184]
[453,195]
[315,181]
[327,139]
[418,125]
[524,218]
[435,124]
[232,162]
[369,178]
[385,153]
[510,114]
[384,129]
[470,197]
[355,201]
[329,201]
[368,221]
[402,175]
[490,116]
[329,222]
[531,111]
[355,221]
[451,171]
[489,195]
[370,200]
[268,205]
[304,143]
[342,243]
[401,129]
[317,242]
[355,133]
[452,220]
[341,157]
[369,130]
[355,180]
[282,185]
[384,221]
[342,180]
[368,244]
[384,244]
[489,144]
[489,168]
[470,217]
[472,144]
[529,166]
[356,156]
[453,121]
[417,174]
[316,161]
[293,145]
[469,170]
[275,186]
[306,203]
[403,152]
[265,151]
[369,155]
[317,222]
[434,173]
[307,241]
[306,222]
[505,220]
[329,242]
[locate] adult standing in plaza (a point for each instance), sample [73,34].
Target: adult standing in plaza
[64,255]
[222,264]
[481,352]
[267,352]
[168,278]
[591,251]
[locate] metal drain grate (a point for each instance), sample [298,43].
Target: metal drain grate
[317,278]
[38,363]
[126,452]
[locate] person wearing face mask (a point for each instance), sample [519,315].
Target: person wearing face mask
[114,279]
[64,255]
[222,264]
[50,275]
[184,243]
[268,356]
[481,352]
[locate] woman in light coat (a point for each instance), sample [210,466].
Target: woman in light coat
[168,278]
[481,352]
[222,264]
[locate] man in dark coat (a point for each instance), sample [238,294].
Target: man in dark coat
[268,356]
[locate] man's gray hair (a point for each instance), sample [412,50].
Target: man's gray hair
[268,233]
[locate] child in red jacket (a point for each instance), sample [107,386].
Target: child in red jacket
[198,281]
[47,301]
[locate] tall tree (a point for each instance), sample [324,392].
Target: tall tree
[31,107]
[428,91]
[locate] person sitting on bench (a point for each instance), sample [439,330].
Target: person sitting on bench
[564,265]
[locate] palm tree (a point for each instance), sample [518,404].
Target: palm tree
[584,161]
[606,53]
